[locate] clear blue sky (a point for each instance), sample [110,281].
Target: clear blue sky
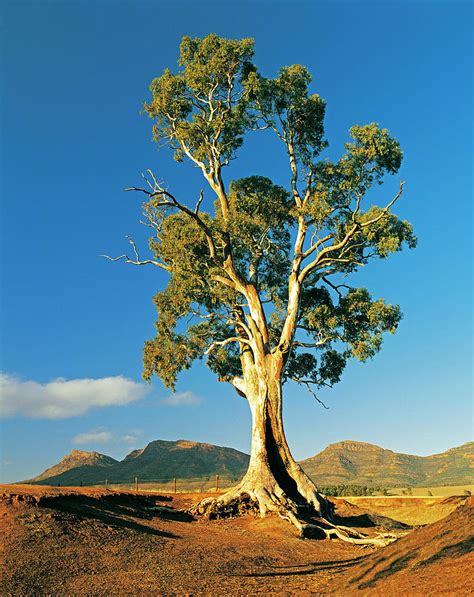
[74,75]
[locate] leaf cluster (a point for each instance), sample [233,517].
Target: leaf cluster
[341,328]
[284,105]
[199,110]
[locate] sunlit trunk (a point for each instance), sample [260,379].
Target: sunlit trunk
[274,481]
[272,466]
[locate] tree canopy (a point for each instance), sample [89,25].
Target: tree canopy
[264,267]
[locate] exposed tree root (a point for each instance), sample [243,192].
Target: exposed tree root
[311,522]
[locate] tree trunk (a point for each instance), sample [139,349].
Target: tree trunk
[274,481]
[272,469]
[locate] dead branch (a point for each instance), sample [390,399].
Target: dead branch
[308,383]
[137,260]
[169,200]
[336,286]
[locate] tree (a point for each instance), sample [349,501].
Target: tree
[258,281]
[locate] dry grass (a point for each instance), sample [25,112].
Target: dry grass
[446,490]
[414,511]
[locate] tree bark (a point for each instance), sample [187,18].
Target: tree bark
[272,466]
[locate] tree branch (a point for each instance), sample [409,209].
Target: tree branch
[318,344]
[171,201]
[308,384]
[322,255]
[336,286]
[214,345]
[137,260]
[314,246]
[386,209]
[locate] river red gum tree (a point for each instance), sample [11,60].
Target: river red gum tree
[259,282]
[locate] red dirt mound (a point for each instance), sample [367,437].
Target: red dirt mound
[436,559]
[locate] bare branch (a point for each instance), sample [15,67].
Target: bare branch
[137,260]
[318,344]
[357,207]
[336,286]
[386,209]
[308,383]
[309,179]
[199,201]
[317,244]
[170,200]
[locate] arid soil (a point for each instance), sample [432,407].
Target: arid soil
[435,559]
[414,511]
[65,541]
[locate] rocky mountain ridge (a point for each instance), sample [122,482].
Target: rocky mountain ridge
[367,464]
[346,462]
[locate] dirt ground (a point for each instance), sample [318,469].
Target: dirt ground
[414,511]
[65,541]
[435,559]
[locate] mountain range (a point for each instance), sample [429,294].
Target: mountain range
[160,460]
[346,462]
[361,463]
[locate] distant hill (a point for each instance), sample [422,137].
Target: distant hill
[360,463]
[158,460]
[347,462]
[74,460]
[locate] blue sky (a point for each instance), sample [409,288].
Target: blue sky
[74,76]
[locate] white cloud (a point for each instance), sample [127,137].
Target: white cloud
[181,399]
[63,398]
[132,437]
[93,437]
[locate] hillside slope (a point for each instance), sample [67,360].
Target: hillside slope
[436,559]
[159,460]
[350,462]
[74,460]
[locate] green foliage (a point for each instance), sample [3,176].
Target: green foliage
[284,105]
[351,327]
[195,107]
[258,225]
[246,239]
[352,490]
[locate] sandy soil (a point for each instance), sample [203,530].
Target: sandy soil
[63,541]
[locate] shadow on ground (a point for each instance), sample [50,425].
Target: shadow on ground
[371,520]
[117,510]
[305,569]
